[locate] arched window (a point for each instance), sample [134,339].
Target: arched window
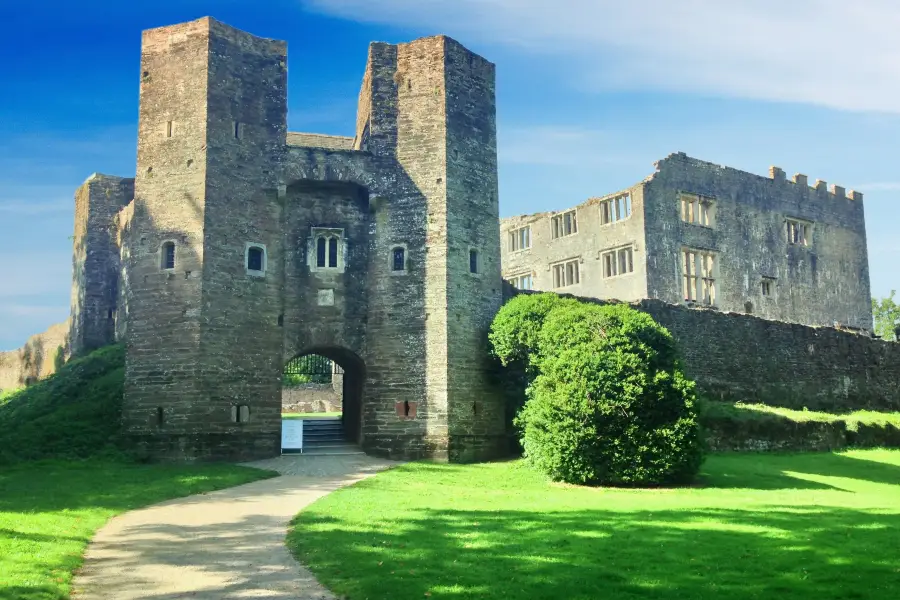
[332,252]
[255,259]
[398,259]
[167,256]
[328,249]
[321,251]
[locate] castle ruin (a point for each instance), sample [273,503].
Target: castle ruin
[239,247]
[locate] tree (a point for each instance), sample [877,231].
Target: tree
[607,402]
[886,313]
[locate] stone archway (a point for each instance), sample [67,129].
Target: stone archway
[348,373]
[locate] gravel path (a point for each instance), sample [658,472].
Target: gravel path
[225,544]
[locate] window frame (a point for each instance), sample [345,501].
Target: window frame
[609,209]
[334,246]
[475,253]
[391,262]
[264,259]
[699,275]
[566,273]
[801,225]
[162,255]
[515,238]
[558,224]
[517,280]
[697,209]
[611,261]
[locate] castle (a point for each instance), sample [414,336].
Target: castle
[702,234]
[239,246]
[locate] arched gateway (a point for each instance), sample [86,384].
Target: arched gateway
[247,246]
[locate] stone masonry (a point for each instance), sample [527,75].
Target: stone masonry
[239,246]
[775,248]
[246,245]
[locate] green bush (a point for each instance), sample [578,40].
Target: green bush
[608,403]
[75,413]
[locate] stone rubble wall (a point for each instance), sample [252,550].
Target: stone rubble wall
[310,398]
[35,360]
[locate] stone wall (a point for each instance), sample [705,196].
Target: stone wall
[95,261]
[822,283]
[311,398]
[37,359]
[744,358]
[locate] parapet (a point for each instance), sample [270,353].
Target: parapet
[319,140]
[821,187]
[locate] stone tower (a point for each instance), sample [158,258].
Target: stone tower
[430,105]
[202,337]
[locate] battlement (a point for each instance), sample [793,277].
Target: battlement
[776,175]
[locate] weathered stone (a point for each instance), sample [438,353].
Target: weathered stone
[757,270]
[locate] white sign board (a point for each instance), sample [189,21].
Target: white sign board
[291,434]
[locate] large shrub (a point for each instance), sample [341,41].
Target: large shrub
[608,403]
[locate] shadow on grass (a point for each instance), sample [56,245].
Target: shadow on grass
[804,552]
[785,471]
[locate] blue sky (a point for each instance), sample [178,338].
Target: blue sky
[590,93]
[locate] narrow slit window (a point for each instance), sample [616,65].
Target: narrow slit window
[168,255]
[399,259]
[169,129]
[473,261]
[237,130]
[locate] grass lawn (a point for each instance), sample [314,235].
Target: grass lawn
[323,415]
[753,411]
[49,511]
[763,526]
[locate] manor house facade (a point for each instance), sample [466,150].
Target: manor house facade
[707,235]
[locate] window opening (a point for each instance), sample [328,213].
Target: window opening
[615,209]
[698,269]
[332,252]
[618,262]
[564,224]
[399,259]
[473,261]
[697,210]
[522,282]
[237,130]
[797,233]
[566,274]
[520,239]
[255,258]
[168,255]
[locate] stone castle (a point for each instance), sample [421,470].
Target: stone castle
[239,246]
[707,235]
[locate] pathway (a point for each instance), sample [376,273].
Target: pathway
[220,545]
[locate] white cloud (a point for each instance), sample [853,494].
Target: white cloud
[824,52]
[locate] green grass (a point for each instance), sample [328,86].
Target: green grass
[740,410]
[49,511]
[323,415]
[74,413]
[802,526]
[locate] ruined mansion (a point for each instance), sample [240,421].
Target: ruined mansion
[239,246]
